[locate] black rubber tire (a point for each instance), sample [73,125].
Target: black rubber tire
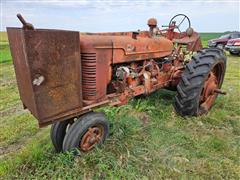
[58,132]
[234,54]
[171,88]
[79,128]
[192,80]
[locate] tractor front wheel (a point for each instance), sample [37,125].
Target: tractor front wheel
[58,132]
[89,131]
[200,82]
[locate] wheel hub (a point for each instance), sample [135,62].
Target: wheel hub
[91,138]
[208,94]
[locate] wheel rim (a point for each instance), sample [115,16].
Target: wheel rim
[92,137]
[211,84]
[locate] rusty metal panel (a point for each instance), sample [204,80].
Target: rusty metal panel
[104,57]
[96,56]
[17,46]
[125,48]
[129,49]
[53,71]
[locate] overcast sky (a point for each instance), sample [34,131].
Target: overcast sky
[123,15]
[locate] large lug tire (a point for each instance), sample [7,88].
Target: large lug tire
[89,131]
[58,132]
[204,74]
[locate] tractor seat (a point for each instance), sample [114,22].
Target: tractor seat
[180,41]
[187,39]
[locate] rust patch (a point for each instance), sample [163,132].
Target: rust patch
[91,138]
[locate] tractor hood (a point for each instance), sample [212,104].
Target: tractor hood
[125,48]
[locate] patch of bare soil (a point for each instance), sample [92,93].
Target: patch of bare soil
[21,143]
[11,148]
[144,117]
[17,109]
[8,82]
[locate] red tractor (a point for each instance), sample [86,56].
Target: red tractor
[63,75]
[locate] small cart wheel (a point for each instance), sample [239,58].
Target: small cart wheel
[58,132]
[87,132]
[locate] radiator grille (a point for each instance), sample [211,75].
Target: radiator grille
[89,75]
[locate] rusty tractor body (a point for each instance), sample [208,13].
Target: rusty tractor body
[62,75]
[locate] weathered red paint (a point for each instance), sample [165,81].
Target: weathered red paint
[55,56]
[92,137]
[63,74]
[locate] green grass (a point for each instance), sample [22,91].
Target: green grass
[3,37]
[5,55]
[206,36]
[147,139]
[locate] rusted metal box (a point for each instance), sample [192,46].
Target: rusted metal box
[48,70]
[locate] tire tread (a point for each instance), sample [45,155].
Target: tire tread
[192,80]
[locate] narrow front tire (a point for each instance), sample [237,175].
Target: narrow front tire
[89,131]
[58,132]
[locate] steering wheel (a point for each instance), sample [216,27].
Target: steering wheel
[179,19]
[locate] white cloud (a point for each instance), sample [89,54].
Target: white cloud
[123,15]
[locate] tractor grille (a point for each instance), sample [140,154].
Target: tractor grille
[89,75]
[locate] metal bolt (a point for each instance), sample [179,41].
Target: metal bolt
[219,91]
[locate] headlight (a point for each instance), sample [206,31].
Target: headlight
[237,44]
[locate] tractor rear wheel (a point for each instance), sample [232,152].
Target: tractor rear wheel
[200,82]
[58,132]
[87,132]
